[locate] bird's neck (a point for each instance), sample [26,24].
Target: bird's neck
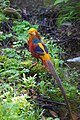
[35,36]
[30,40]
[32,37]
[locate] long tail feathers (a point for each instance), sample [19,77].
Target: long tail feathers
[49,65]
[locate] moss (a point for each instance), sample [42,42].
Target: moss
[3,58]
[38,68]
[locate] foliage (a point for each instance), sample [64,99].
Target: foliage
[69,10]
[18,80]
[4,4]
[29,82]
[18,77]
[21,29]
[60,1]
[2,17]
[11,53]
[56,53]
[18,108]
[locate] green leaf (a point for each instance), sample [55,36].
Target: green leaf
[50,118]
[60,1]
[41,84]
[35,26]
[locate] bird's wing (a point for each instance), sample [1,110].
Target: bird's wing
[41,49]
[38,50]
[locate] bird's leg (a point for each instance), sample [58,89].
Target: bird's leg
[34,64]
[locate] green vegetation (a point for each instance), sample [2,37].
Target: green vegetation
[69,10]
[18,78]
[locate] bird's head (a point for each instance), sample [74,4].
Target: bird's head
[33,31]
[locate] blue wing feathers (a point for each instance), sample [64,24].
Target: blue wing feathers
[37,49]
[35,41]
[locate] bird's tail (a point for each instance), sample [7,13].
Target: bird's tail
[49,65]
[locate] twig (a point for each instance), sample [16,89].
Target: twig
[50,101]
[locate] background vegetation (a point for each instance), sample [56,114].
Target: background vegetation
[26,92]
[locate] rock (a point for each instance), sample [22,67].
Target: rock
[12,13]
[77,59]
[1,32]
[74,62]
[66,24]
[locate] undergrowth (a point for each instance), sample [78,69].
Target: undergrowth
[18,78]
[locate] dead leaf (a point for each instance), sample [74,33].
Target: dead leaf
[74,116]
[43,118]
[54,114]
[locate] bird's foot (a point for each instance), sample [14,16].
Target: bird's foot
[33,65]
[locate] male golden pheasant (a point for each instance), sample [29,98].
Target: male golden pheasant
[39,50]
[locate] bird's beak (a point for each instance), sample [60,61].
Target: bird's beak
[32,33]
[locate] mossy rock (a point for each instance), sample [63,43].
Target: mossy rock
[11,12]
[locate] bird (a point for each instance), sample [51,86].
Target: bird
[39,50]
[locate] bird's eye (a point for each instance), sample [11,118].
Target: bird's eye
[33,33]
